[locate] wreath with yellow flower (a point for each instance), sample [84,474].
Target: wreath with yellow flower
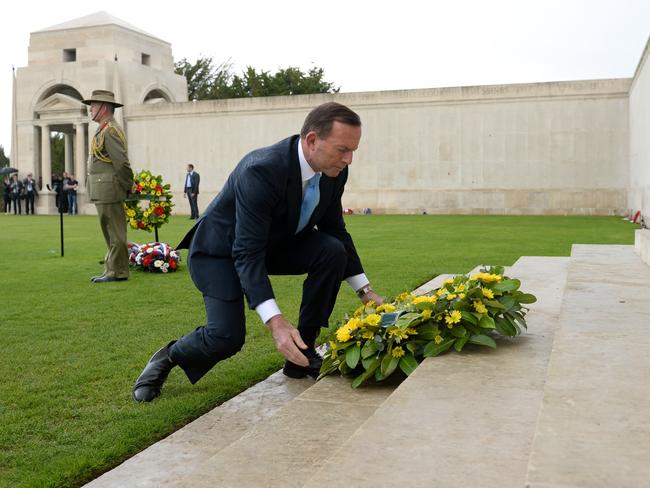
[151,189]
[378,341]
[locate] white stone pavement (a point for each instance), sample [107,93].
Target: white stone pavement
[564,405]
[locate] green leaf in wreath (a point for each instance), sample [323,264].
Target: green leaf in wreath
[352,356]
[486,322]
[428,331]
[511,319]
[368,349]
[469,317]
[507,285]
[412,346]
[408,363]
[388,365]
[408,319]
[505,328]
[370,370]
[507,301]
[432,349]
[460,343]
[483,340]
[527,298]
[458,330]
[494,304]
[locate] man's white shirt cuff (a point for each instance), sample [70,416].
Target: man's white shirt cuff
[268,309]
[358,281]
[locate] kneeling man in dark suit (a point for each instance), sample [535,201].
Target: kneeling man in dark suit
[278,213]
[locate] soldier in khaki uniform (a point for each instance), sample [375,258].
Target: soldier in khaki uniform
[110,178]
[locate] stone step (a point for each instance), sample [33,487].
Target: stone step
[183,452]
[284,451]
[594,426]
[178,459]
[461,419]
[642,244]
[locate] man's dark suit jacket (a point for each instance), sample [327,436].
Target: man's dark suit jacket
[258,209]
[195,179]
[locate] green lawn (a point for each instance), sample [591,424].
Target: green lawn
[72,349]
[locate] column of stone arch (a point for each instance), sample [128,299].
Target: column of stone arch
[46,157]
[80,154]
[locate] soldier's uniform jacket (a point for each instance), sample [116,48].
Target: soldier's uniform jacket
[110,176]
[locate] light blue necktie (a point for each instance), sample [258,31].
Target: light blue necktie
[309,201]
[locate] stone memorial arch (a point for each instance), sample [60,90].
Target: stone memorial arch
[66,62]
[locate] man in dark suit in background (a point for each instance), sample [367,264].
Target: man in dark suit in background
[263,222]
[31,190]
[192,180]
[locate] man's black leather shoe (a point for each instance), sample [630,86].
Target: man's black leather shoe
[293,370]
[106,279]
[150,382]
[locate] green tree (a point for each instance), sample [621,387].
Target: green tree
[207,81]
[4,160]
[58,153]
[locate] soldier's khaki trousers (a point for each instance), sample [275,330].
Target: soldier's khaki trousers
[112,220]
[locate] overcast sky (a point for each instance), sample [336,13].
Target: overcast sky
[367,46]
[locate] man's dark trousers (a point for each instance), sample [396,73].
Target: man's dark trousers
[29,201]
[320,255]
[194,205]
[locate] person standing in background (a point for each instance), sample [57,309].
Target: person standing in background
[71,186]
[16,194]
[110,179]
[191,190]
[31,191]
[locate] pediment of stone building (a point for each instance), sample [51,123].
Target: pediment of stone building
[60,104]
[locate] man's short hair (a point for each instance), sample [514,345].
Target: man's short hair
[190,166]
[321,119]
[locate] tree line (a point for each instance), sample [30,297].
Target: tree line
[207,80]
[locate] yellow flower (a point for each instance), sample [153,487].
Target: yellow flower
[425,299]
[398,334]
[479,307]
[448,281]
[460,287]
[370,304]
[453,318]
[343,334]
[368,334]
[373,319]
[461,296]
[130,212]
[158,193]
[426,314]
[386,307]
[147,178]
[451,296]
[411,331]
[487,277]
[397,352]
[353,324]
[359,311]
[403,296]
[487,293]
[441,291]
[438,339]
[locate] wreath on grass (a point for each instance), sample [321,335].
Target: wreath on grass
[153,256]
[151,189]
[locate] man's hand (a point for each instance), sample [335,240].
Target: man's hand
[287,340]
[371,295]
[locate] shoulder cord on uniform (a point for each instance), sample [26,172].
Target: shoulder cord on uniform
[97,144]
